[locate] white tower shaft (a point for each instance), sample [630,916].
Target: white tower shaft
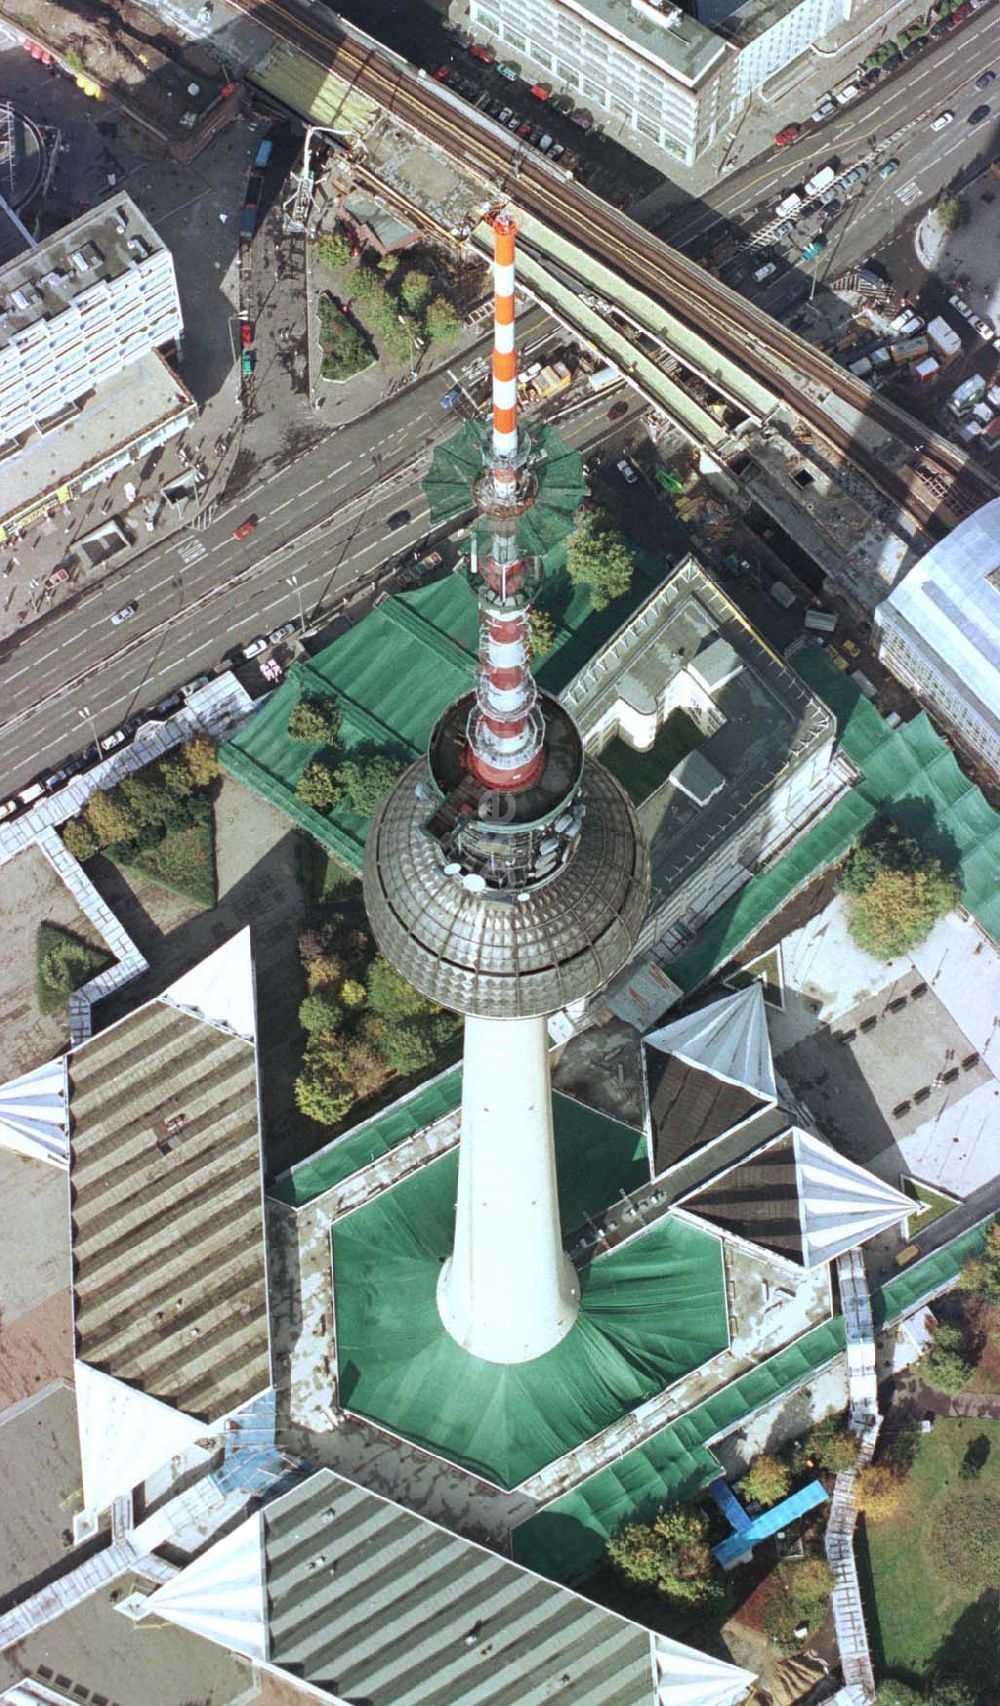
[509,1292]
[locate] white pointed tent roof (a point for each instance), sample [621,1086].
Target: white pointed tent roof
[221,1595]
[727,1038]
[220,988]
[124,1435]
[686,1677]
[33,1114]
[840,1204]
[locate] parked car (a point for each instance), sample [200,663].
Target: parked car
[978,114]
[55,779]
[916,46]
[254,647]
[397,519]
[478,51]
[125,614]
[784,229]
[942,120]
[8,808]
[196,682]
[281,633]
[825,108]
[508,71]
[617,410]
[245,528]
[524,130]
[986,79]
[887,170]
[545,142]
[783,137]
[582,119]
[557,151]
[442,73]
[503,115]
[117,738]
[627,472]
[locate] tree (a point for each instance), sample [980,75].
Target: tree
[879,1492]
[810,1586]
[362,1067]
[894,891]
[319,787]
[441,320]
[542,630]
[945,1365]
[321,1092]
[828,1445]
[953,212]
[333,249]
[177,778]
[79,838]
[891,1692]
[669,1554]
[353,993]
[389,264]
[390,994]
[981,1274]
[201,758]
[599,558]
[415,292]
[107,816]
[766,1481]
[366,777]
[951,1693]
[407,1046]
[321,1013]
[324,971]
[314,720]
[977,1455]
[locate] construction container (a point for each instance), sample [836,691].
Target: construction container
[943,338]
[927,368]
[909,349]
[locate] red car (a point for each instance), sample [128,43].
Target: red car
[245,528]
[486,54]
[246,334]
[784,137]
[442,73]
[617,410]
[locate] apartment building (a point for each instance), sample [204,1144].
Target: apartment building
[939,632]
[84,390]
[679,78]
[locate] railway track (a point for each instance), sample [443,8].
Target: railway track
[938,486]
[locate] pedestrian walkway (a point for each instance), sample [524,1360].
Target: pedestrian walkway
[865,1421]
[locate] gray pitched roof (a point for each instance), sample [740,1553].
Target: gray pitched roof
[374,1604]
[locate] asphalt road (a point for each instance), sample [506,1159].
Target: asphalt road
[322,525]
[942,78]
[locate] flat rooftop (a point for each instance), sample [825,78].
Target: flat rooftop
[667,35]
[42,282]
[170,1290]
[137,399]
[899,1063]
[760,719]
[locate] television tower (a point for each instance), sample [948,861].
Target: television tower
[506,876]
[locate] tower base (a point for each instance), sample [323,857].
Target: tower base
[509,1292]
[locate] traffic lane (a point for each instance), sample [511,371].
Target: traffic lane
[883,110]
[326,566]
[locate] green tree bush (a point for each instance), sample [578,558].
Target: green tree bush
[333,249]
[80,839]
[200,756]
[810,1585]
[314,720]
[441,320]
[64,963]
[767,1480]
[977,1455]
[670,1554]
[542,629]
[599,558]
[946,1364]
[344,345]
[107,816]
[415,292]
[829,1444]
[894,891]
[321,1013]
[981,1274]
[321,1091]
[366,777]
[319,786]
[953,213]
[390,994]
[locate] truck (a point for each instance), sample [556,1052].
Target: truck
[788,204]
[909,349]
[604,377]
[820,180]
[263,154]
[820,621]
[943,337]
[782,594]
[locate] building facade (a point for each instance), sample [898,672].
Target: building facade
[678,78]
[939,632]
[83,387]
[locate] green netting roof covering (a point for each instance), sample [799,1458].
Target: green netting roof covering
[558,473]
[566,1539]
[649,1313]
[364,1143]
[910,769]
[393,674]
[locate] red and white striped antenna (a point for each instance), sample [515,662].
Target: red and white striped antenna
[506,732]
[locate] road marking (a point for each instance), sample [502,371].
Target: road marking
[190,551]
[908,192]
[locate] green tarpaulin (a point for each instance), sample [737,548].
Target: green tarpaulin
[650,1312]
